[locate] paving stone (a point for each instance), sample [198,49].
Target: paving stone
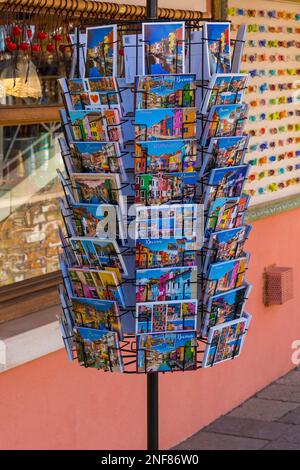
[281,445]
[264,410]
[292,435]
[245,427]
[293,417]
[292,378]
[213,441]
[275,391]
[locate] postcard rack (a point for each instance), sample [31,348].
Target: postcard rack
[129,351]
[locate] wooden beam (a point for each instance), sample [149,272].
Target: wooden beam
[15,115]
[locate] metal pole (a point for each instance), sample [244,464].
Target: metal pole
[152,411]
[152,377]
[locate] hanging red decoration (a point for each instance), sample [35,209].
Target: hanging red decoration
[42,35]
[50,47]
[29,33]
[7,40]
[57,37]
[121,51]
[24,46]
[17,31]
[11,46]
[35,47]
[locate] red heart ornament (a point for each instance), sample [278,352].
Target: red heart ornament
[35,48]
[24,46]
[29,33]
[50,47]
[57,37]
[17,31]
[12,46]
[42,35]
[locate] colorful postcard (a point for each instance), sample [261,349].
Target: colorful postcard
[94,93]
[97,252]
[224,151]
[161,317]
[101,51]
[97,220]
[226,245]
[224,307]
[96,126]
[167,156]
[227,88]
[160,188]
[98,157]
[224,276]
[98,314]
[217,43]
[151,253]
[99,349]
[91,188]
[167,352]
[225,182]
[225,213]
[226,341]
[163,48]
[97,284]
[165,91]
[178,283]
[225,121]
[167,221]
[165,124]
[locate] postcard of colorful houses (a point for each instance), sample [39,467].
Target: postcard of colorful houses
[167,156]
[97,252]
[224,151]
[101,51]
[165,91]
[165,124]
[151,253]
[226,245]
[100,349]
[92,220]
[217,43]
[225,276]
[224,307]
[226,341]
[225,213]
[163,48]
[224,89]
[160,188]
[225,121]
[92,188]
[160,317]
[171,283]
[166,352]
[95,313]
[99,126]
[225,182]
[166,221]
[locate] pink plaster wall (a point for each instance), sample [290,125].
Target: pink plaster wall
[51,404]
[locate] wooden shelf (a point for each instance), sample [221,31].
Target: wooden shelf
[21,115]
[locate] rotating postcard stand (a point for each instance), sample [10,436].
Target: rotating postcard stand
[82,219]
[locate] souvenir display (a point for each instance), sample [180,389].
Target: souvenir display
[101,51]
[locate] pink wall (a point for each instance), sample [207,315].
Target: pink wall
[51,404]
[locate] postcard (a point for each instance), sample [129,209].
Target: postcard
[226,341]
[101,51]
[99,314]
[160,317]
[227,88]
[158,284]
[133,56]
[100,349]
[160,188]
[97,252]
[77,68]
[98,157]
[238,48]
[97,188]
[66,337]
[167,156]
[225,213]
[96,284]
[225,121]
[96,126]
[98,220]
[224,151]
[196,56]
[165,124]
[225,182]
[163,48]
[165,91]
[94,93]
[167,352]
[224,307]
[151,253]
[226,245]
[67,315]
[167,221]
[224,276]
[217,44]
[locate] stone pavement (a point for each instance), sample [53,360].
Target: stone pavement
[268,420]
